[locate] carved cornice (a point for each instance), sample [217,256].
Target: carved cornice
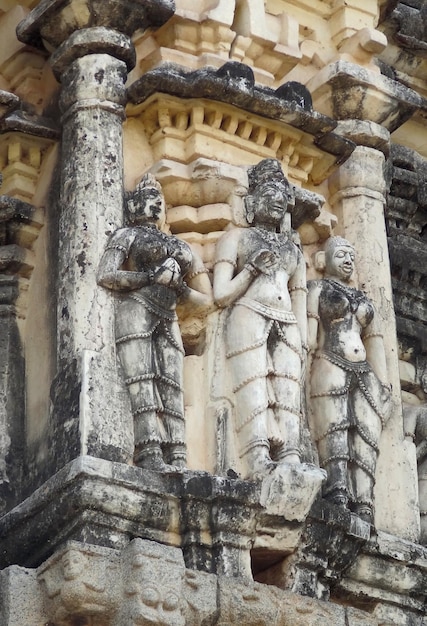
[347,91]
[283,122]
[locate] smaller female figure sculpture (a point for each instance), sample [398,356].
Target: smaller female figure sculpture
[151,271]
[348,401]
[260,277]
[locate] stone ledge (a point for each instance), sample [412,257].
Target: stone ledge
[82,581]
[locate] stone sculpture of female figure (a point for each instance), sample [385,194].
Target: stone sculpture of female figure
[347,399]
[260,276]
[151,271]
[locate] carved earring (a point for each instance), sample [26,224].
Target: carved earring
[320,261]
[250,213]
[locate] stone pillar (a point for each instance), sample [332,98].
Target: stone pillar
[358,198]
[86,391]
[12,402]
[93,54]
[15,264]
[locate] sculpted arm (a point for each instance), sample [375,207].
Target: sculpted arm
[198,293]
[110,275]
[313,314]
[375,353]
[298,293]
[227,288]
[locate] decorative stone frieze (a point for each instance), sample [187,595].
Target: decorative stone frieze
[149,583]
[299,137]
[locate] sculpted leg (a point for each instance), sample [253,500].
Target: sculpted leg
[249,372]
[329,424]
[285,381]
[364,448]
[136,360]
[169,382]
[330,414]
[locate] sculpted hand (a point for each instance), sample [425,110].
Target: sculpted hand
[168,274]
[264,261]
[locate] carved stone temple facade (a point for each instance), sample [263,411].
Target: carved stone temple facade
[213,312]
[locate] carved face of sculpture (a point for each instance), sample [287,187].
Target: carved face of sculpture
[73,564]
[156,605]
[147,207]
[270,203]
[340,261]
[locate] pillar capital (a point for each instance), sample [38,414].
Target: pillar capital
[53,21]
[365,133]
[95,40]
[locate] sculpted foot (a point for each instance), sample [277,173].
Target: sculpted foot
[338,497]
[150,457]
[259,463]
[177,456]
[365,512]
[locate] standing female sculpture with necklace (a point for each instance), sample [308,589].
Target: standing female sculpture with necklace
[150,272]
[348,401]
[260,276]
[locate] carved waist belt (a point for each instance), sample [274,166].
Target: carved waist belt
[349,366]
[266,311]
[154,306]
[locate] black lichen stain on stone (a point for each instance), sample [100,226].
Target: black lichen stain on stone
[99,76]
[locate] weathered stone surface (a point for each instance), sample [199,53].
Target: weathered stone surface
[290,490]
[30,124]
[90,409]
[385,574]
[234,83]
[406,220]
[8,102]
[95,40]
[20,599]
[14,262]
[406,23]
[216,520]
[147,583]
[55,20]
[344,90]
[12,397]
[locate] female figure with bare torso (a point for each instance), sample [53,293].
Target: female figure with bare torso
[260,276]
[347,398]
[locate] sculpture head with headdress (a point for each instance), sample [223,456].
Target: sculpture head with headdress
[268,194]
[146,204]
[339,258]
